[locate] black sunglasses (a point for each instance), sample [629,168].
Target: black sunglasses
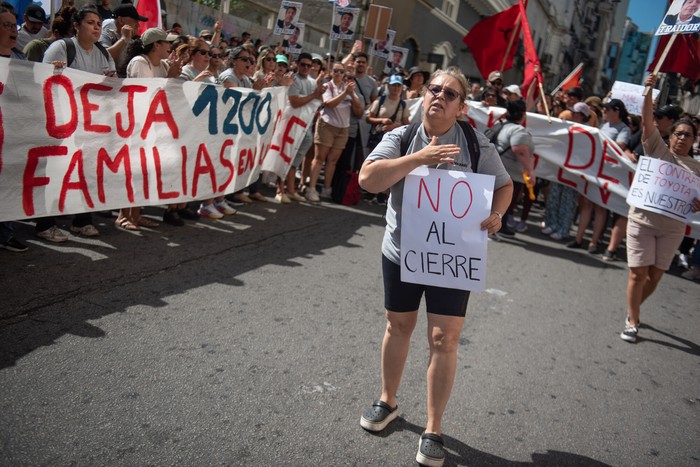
[247,59]
[449,94]
[216,55]
[269,59]
[305,65]
[202,52]
[489,95]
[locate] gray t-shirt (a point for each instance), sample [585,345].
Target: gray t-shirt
[302,86]
[513,134]
[24,37]
[228,76]
[618,132]
[189,73]
[366,90]
[92,62]
[390,148]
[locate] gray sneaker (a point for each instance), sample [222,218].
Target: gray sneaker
[630,333]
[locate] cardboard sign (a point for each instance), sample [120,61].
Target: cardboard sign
[442,243]
[378,19]
[683,16]
[664,188]
[631,95]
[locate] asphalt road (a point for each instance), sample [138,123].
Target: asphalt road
[255,341]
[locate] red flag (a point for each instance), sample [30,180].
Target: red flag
[151,10]
[683,58]
[573,80]
[493,41]
[533,75]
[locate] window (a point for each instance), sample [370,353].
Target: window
[450,7]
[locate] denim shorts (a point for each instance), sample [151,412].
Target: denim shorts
[402,296]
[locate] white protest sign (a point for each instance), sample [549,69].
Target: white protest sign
[683,16]
[442,243]
[631,95]
[664,188]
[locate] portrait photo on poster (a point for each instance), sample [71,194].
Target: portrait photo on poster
[289,14]
[381,48]
[683,16]
[294,42]
[397,59]
[344,24]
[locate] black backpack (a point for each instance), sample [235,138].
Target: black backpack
[70,51]
[492,134]
[469,133]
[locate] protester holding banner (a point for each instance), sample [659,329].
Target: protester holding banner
[197,68]
[331,135]
[439,142]
[652,238]
[90,58]
[264,75]
[216,64]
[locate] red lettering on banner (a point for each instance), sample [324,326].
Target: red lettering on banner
[604,193]
[159,178]
[422,185]
[565,181]
[452,198]
[491,120]
[52,128]
[183,169]
[29,181]
[75,162]
[263,153]
[2,129]
[535,160]
[288,139]
[144,172]
[103,159]
[89,107]
[246,161]
[131,90]
[199,169]
[567,162]
[226,163]
[607,158]
[160,100]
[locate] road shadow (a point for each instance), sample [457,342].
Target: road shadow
[461,454]
[683,345]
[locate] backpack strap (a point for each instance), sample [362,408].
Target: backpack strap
[70,51]
[469,133]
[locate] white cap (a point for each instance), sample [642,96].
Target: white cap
[515,89]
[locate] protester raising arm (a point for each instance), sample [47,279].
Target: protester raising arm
[648,126]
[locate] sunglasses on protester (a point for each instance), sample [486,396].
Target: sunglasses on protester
[450,94]
[202,52]
[250,60]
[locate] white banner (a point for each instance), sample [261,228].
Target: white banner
[631,95]
[77,142]
[578,156]
[665,188]
[442,243]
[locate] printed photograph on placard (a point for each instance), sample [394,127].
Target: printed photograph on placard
[683,16]
[287,18]
[294,42]
[344,23]
[382,48]
[397,58]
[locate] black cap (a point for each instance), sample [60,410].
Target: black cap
[615,104]
[127,10]
[668,111]
[35,13]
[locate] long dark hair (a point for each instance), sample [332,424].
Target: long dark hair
[134,49]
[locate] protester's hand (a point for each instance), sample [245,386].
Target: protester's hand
[174,69]
[435,153]
[320,89]
[203,75]
[650,80]
[58,66]
[350,87]
[127,33]
[218,26]
[695,206]
[320,78]
[287,79]
[492,223]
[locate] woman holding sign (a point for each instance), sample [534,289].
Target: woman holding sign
[652,238]
[438,142]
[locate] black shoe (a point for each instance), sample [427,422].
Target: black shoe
[506,231]
[377,417]
[187,213]
[431,450]
[609,255]
[173,218]
[574,245]
[12,244]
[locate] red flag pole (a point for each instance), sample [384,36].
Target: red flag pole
[516,33]
[661,60]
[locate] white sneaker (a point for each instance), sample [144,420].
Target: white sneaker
[556,236]
[547,230]
[224,208]
[521,227]
[53,234]
[312,195]
[295,196]
[86,230]
[683,261]
[282,198]
[210,211]
[326,192]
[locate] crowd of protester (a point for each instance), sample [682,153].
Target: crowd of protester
[350,93]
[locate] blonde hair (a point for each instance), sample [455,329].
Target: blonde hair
[455,73]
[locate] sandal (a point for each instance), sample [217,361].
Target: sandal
[126,224]
[146,222]
[377,417]
[431,450]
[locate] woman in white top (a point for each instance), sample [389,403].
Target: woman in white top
[332,127]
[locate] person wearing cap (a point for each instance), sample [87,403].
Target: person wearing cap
[105,9]
[495,80]
[512,93]
[652,238]
[317,66]
[33,27]
[416,82]
[331,133]
[664,118]
[116,39]
[283,77]
[61,27]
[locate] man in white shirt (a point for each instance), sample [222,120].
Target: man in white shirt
[33,27]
